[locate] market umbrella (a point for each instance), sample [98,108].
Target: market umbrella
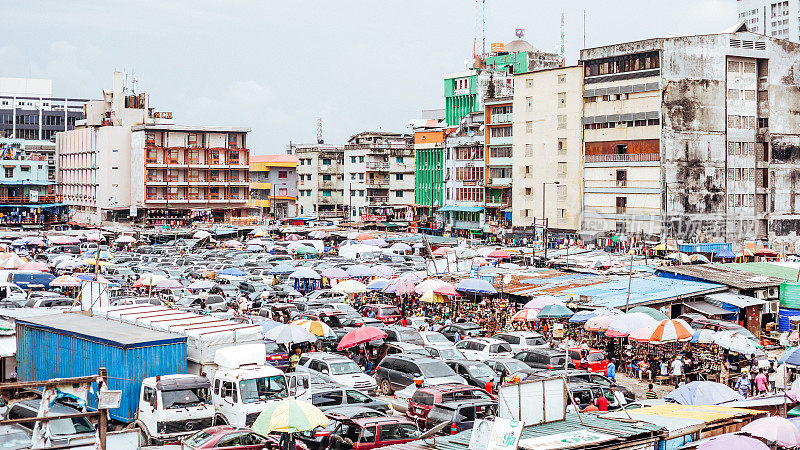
[555,311]
[790,356]
[360,270]
[305,273]
[679,256]
[697,258]
[724,254]
[767,252]
[202,284]
[447,290]
[364,237]
[349,287]
[18,242]
[267,324]
[774,429]
[641,335]
[402,246]
[315,327]
[70,264]
[383,271]
[479,261]
[583,316]
[289,334]
[258,241]
[168,284]
[399,286]
[441,251]
[627,323]
[542,301]
[703,393]
[465,253]
[289,416]
[254,248]
[201,234]
[671,330]
[735,342]
[428,285]
[13,262]
[416,276]
[360,335]
[704,336]
[475,286]
[232,243]
[500,254]
[65,281]
[148,280]
[335,273]
[732,442]
[378,284]
[352,235]
[125,239]
[744,252]
[306,250]
[598,323]
[34,265]
[34,241]
[282,269]
[233,272]
[293,237]
[431,297]
[380,243]
[90,277]
[652,312]
[318,234]
[65,240]
[525,315]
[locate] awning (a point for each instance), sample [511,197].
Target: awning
[708,309]
[8,346]
[472,209]
[737,300]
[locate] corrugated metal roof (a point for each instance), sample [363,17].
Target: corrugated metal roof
[707,308]
[737,300]
[769,269]
[723,274]
[643,291]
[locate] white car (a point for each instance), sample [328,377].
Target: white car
[434,339]
[481,349]
[417,322]
[521,341]
[340,369]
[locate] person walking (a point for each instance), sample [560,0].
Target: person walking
[294,359]
[611,371]
[743,384]
[761,382]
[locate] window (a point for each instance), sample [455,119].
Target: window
[25,168]
[361,176]
[326,162]
[361,193]
[470,153]
[399,160]
[353,159]
[326,193]
[562,146]
[528,191]
[283,174]
[398,176]
[352,193]
[562,78]
[368,435]
[326,178]
[528,150]
[9,172]
[529,83]
[361,159]
[331,398]
[469,173]
[562,169]
[469,194]
[502,131]
[398,194]
[562,122]
[353,176]
[561,214]
[529,127]
[501,152]
[529,104]
[561,191]
[562,99]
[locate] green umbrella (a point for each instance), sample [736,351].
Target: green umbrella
[654,313]
[555,311]
[306,250]
[289,416]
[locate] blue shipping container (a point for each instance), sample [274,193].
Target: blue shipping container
[784,314]
[75,345]
[707,247]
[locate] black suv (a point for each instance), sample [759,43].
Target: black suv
[541,358]
[465,329]
[398,371]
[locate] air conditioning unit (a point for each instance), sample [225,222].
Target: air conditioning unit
[773,292]
[760,294]
[771,307]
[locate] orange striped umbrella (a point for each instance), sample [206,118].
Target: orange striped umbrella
[671,330]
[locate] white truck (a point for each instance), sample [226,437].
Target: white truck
[172,407]
[243,385]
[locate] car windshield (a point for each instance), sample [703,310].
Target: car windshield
[595,357]
[15,440]
[436,337]
[536,340]
[390,311]
[516,366]
[437,369]
[273,347]
[344,368]
[198,439]
[183,397]
[264,388]
[480,370]
[451,353]
[66,427]
[409,335]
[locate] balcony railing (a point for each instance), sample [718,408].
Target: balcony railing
[623,157]
[381,200]
[378,165]
[377,183]
[27,200]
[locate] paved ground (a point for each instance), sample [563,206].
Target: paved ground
[640,387]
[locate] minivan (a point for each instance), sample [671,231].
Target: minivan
[544,359]
[387,314]
[398,371]
[460,414]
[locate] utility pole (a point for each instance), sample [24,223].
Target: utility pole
[545,219]
[630,276]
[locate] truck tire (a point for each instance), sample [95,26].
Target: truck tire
[386,387]
[144,436]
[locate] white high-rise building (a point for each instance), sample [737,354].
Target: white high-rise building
[778,19]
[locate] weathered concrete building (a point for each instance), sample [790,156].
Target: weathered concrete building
[320,185]
[464,172]
[693,137]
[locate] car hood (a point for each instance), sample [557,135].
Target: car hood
[444,380]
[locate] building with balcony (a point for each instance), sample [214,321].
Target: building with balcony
[464,179]
[320,180]
[429,173]
[273,186]
[465,92]
[379,177]
[519,56]
[547,149]
[27,198]
[126,161]
[693,137]
[499,159]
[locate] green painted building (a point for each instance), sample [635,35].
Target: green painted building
[509,62]
[429,184]
[460,96]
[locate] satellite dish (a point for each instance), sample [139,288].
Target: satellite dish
[519,32]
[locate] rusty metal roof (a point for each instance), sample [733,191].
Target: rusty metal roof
[721,274]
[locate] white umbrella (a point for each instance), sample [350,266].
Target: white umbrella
[289,334]
[201,234]
[349,287]
[735,342]
[125,239]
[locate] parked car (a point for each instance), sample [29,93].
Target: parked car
[544,359]
[476,373]
[445,352]
[387,314]
[479,349]
[584,377]
[464,329]
[423,399]
[330,317]
[434,339]
[63,432]
[460,414]
[417,322]
[335,397]
[231,438]
[523,340]
[373,432]
[596,360]
[353,322]
[508,366]
[15,437]
[340,369]
[318,438]
[393,348]
[586,394]
[396,333]
[276,355]
[398,371]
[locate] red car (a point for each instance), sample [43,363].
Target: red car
[596,360]
[372,432]
[424,399]
[232,438]
[387,314]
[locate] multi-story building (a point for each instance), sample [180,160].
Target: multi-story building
[779,19]
[126,160]
[321,180]
[28,109]
[499,160]
[273,186]
[693,137]
[519,56]
[26,197]
[379,176]
[465,92]
[429,174]
[464,179]
[547,155]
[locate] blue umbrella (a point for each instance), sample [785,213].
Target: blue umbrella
[582,316]
[377,285]
[703,393]
[18,242]
[360,270]
[475,285]
[555,311]
[790,356]
[724,254]
[267,324]
[232,271]
[282,269]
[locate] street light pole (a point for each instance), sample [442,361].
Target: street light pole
[544,219]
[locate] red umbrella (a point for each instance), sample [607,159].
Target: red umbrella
[34,265]
[768,252]
[364,237]
[360,335]
[498,254]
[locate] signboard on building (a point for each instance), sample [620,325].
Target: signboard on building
[499,434]
[33,196]
[373,218]
[550,393]
[570,439]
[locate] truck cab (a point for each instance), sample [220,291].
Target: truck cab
[244,384]
[172,407]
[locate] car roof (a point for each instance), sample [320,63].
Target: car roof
[470,402]
[413,356]
[448,387]
[546,351]
[503,360]
[521,333]
[381,305]
[466,325]
[325,356]
[405,345]
[486,340]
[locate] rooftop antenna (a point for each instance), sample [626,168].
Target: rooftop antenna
[319,131]
[563,58]
[584,28]
[519,33]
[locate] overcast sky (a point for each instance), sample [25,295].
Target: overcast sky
[277,66]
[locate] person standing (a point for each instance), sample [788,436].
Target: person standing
[677,370]
[294,359]
[611,371]
[761,382]
[743,384]
[456,337]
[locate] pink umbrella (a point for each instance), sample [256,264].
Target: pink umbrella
[232,243]
[641,335]
[478,261]
[168,284]
[360,335]
[542,301]
[598,323]
[732,442]
[34,265]
[448,290]
[428,285]
[775,429]
[65,240]
[498,254]
[441,251]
